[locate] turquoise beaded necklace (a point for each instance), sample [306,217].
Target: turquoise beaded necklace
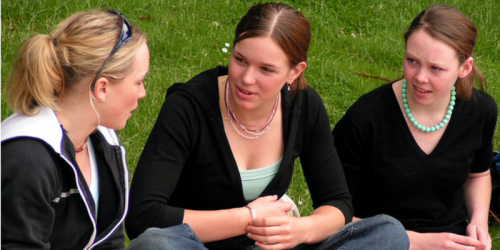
[415,122]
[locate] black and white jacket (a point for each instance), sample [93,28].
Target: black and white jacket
[46,203]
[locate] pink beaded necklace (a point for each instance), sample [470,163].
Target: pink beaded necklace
[255,132]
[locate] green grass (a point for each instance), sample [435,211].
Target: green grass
[186,37]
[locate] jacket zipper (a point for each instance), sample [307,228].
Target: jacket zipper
[85,201]
[125,210]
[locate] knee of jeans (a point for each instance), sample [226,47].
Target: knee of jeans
[388,225]
[395,222]
[151,232]
[175,237]
[389,220]
[394,226]
[182,230]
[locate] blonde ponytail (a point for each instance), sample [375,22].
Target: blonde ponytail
[36,78]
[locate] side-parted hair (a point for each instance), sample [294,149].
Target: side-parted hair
[285,25]
[450,26]
[48,65]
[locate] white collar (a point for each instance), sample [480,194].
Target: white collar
[45,126]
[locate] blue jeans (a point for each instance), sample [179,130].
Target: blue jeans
[378,232]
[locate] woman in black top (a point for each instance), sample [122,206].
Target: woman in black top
[256,116]
[419,149]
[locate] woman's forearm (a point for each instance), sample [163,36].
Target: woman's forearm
[477,197]
[219,224]
[322,223]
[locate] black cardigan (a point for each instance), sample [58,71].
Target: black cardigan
[187,161]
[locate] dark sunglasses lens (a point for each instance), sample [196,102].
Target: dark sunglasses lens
[126,35]
[126,30]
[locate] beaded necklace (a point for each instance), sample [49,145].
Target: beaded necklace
[80,149]
[255,132]
[415,122]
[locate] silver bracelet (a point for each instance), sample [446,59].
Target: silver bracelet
[254,216]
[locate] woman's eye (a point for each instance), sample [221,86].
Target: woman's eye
[411,60]
[266,69]
[436,68]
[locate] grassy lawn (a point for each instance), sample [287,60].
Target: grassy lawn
[187,37]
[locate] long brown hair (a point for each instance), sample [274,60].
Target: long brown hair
[285,25]
[449,25]
[48,65]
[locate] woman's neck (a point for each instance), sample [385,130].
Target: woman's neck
[437,108]
[77,117]
[432,113]
[256,117]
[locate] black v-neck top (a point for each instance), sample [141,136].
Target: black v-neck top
[187,162]
[388,173]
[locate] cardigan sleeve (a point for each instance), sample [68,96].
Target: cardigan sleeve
[160,167]
[29,184]
[320,162]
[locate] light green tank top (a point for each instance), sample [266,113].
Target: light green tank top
[256,180]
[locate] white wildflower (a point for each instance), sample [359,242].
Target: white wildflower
[216,24]
[227,44]
[224,50]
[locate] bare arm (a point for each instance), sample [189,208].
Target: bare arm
[324,222]
[477,199]
[218,225]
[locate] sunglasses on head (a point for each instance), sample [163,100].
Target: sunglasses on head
[125,36]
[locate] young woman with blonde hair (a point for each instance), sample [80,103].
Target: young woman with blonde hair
[64,173]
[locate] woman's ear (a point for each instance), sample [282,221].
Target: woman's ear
[101,89]
[466,67]
[297,71]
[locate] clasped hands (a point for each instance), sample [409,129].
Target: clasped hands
[272,227]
